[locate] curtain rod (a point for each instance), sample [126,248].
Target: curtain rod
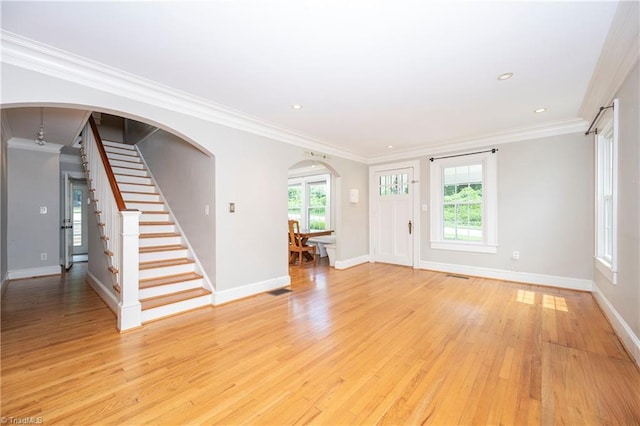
[596,119]
[492,150]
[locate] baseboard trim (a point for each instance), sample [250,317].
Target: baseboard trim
[102,290]
[34,272]
[349,263]
[629,340]
[501,274]
[248,290]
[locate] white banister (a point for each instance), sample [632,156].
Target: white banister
[119,229]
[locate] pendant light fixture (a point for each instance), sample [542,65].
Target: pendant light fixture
[40,141]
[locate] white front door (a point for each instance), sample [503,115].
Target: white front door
[393,223]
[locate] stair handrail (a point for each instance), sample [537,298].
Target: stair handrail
[107,166]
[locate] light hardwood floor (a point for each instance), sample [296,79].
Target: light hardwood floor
[375,344]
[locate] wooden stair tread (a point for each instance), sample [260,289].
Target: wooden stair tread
[147,202]
[169,279]
[154,249]
[155,223]
[154,302]
[153,212]
[163,263]
[159,235]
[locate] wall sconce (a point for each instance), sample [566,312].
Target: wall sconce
[354,195]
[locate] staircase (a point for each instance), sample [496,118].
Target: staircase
[169,279]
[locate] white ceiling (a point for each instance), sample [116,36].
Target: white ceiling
[61,125]
[369,74]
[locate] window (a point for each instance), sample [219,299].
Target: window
[309,201]
[606,194]
[464,203]
[396,184]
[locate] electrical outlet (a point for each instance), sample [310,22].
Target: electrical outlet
[515,255]
[43,256]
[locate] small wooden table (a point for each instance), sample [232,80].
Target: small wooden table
[304,237]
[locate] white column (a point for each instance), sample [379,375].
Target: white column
[130,310]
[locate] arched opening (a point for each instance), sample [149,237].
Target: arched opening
[314,189]
[183,169]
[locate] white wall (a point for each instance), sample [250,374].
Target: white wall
[624,296]
[32,179]
[545,199]
[251,171]
[186,177]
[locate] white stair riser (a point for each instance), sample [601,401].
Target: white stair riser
[127,157]
[157,229]
[119,150]
[162,290]
[125,171]
[154,217]
[136,188]
[126,164]
[166,270]
[174,308]
[159,241]
[140,197]
[147,207]
[163,255]
[133,179]
[118,145]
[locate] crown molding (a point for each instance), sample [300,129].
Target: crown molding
[618,56]
[35,56]
[31,145]
[573,125]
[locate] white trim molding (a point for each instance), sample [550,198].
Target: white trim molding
[505,275]
[102,290]
[350,263]
[248,290]
[555,128]
[630,341]
[41,271]
[39,57]
[619,55]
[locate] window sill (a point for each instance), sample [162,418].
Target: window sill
[605,269]
[458,246]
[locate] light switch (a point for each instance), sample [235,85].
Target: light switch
[43,210]
[206,209]
[425,207]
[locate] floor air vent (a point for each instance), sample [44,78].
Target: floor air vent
[279,291]
[462,277]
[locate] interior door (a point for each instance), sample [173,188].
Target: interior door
[67,223]
[393,216]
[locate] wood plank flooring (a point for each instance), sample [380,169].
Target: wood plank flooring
[375,344]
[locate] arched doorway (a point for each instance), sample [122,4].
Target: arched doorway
[314,189]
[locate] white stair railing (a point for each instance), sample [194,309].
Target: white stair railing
[119,227]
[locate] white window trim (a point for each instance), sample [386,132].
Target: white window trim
[490,204]
[608,269]
[304,181]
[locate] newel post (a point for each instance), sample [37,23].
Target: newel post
[130,310]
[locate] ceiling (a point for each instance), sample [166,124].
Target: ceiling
[368,74]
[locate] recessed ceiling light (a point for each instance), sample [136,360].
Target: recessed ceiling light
[296,106]
[540,110]
[505,76]
[390,146]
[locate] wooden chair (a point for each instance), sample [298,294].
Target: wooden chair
[297,248]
